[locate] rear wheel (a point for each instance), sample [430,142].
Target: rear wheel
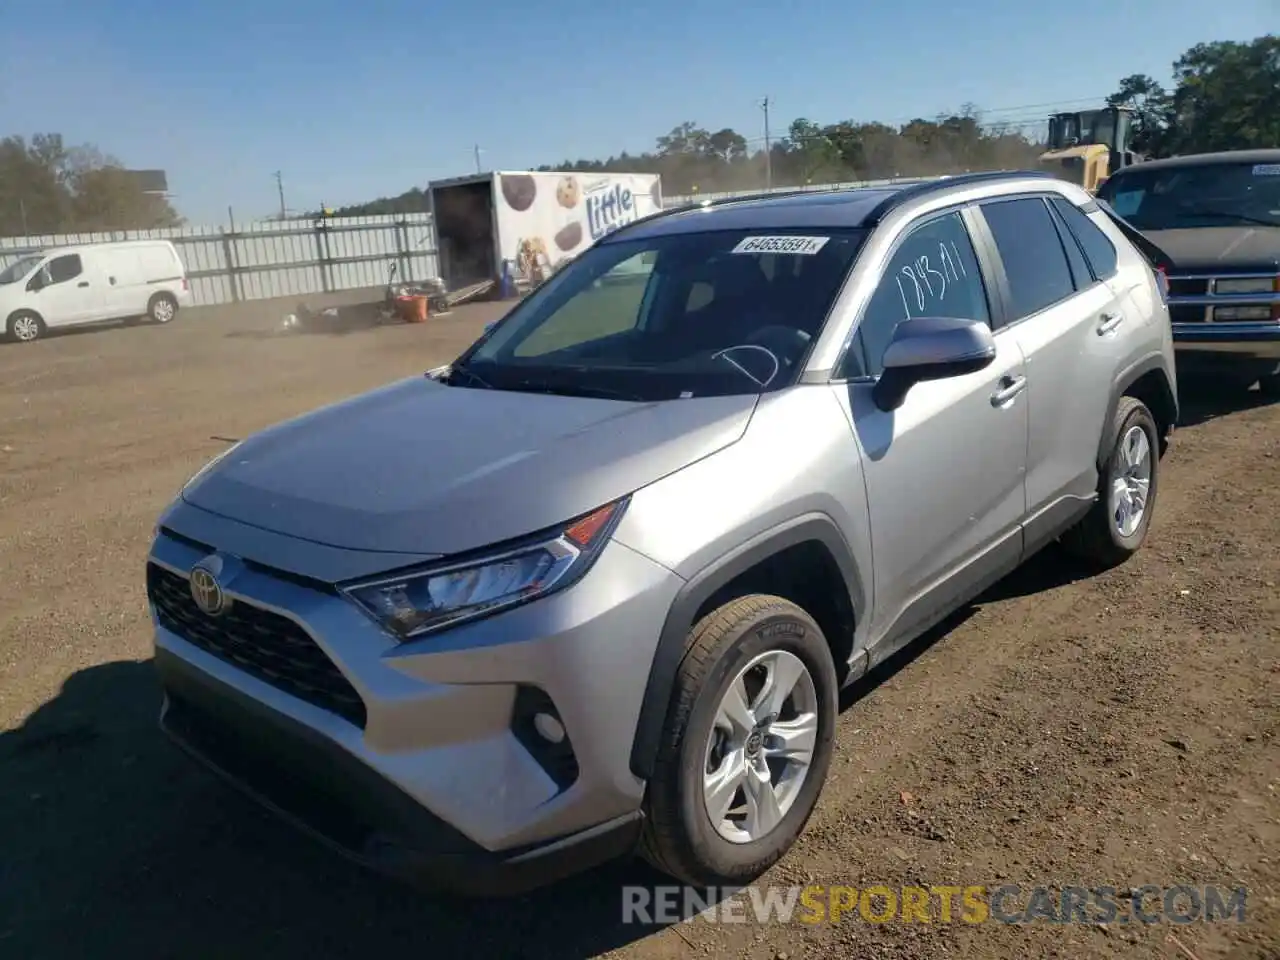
[162,308]
[1116,527]
[25,326]
[746,746]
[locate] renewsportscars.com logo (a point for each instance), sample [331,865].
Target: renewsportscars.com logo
[971,904]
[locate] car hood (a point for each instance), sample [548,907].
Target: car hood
[423,468]
[1216,247]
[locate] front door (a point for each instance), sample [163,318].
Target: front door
[945,471]
[66,295]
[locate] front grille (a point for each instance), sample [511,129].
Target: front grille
[1180,313]
[263,644]
[1183,287]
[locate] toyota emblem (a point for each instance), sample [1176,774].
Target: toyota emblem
[207,592]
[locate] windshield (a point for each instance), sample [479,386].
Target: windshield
[676,316]
[1212,195]
[18,269]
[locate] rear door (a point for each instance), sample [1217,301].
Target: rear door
[118,271]
[1067,320]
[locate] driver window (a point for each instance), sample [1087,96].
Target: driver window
[61,269]
[611,305]
[933,273]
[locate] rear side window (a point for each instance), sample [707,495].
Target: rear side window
[1098,250]
[1035,262]
[1080,270]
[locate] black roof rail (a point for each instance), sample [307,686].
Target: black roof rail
[925,187]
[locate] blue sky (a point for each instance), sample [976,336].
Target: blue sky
[352,100]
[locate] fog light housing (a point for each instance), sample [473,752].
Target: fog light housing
[537,726]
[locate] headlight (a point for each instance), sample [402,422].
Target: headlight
[1253,285]
[209,466]
[421,601]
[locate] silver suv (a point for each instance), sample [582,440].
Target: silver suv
[595,586]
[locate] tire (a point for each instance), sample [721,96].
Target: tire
[162,308]
[1099,538]
[680,837]
[25,326]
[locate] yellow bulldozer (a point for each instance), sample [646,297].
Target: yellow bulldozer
[1088,146]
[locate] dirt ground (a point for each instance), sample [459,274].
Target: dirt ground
[1116,730]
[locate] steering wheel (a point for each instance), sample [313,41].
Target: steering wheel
[787,342]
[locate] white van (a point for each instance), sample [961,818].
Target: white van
[66,286]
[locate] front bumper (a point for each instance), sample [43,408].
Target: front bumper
[430,777]
[298,774]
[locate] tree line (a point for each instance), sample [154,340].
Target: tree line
[47,186]
[1225,95]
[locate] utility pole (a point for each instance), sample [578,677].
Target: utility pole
[478,169]
[768,147]
[280,189]
[22,208]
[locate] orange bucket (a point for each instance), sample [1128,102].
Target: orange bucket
[413,309]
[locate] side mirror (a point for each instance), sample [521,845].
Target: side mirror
[36,283]
[931,348]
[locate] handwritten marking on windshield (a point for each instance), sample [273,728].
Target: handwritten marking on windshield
[1266,170]
[928,283]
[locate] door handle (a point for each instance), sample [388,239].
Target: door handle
[83,283]
[1108,322]
[1010,387]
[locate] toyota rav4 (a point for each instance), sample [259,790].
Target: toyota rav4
[595,587]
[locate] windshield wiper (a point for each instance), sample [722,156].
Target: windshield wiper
[1242,217]
[574,390]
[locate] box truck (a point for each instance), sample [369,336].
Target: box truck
[524,226]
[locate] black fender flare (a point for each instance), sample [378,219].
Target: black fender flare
[703,585]
[1127,378]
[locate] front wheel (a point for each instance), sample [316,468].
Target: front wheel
[746,746]
[25,326]
[162,308]
[1116,526]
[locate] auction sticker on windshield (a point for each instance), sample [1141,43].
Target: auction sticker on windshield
[1267,170]
[804,246]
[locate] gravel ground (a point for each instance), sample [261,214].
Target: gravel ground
[1116,730]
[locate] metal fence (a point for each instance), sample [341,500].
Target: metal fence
[280,259]
[301,257]
[847,185]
